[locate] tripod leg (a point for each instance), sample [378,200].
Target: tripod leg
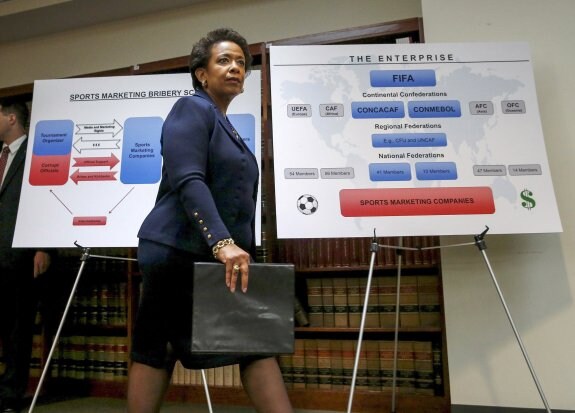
[57,335]
[396,334]
[362,325]
[517,336]
[205,382]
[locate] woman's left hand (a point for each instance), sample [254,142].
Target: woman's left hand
[237,266]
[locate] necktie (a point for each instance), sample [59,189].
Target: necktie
[3,161]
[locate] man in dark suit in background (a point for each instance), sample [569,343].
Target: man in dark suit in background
[18,266]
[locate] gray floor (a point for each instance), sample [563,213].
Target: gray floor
[103,405]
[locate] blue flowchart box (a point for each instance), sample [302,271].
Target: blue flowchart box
[141,155]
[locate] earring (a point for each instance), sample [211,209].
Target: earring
[205,84]
[242,90]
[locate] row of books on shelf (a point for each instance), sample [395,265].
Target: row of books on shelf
[329,364]
[356,252]
[103,304]
[339,301]
[84,357]
[315,364]
[225,376]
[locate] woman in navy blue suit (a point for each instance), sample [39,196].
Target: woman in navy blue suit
[205,210]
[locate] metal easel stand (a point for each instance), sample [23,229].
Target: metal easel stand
[480,243]
[85,256]
[205,382]
[373,249]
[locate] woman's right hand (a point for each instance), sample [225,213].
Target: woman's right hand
[237,266]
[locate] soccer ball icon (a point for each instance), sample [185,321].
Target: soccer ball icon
[307,204]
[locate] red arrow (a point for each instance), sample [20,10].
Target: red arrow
[92,176]
[110,161]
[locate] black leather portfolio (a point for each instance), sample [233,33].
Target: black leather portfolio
[260,321]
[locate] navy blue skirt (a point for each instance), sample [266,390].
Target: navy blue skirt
[164,317]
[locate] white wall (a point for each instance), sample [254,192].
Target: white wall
[536,272]
[171,34]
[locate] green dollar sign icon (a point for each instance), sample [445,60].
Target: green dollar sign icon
[528,202]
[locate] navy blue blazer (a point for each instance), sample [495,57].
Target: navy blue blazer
[209,181]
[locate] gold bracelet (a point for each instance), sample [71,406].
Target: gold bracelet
[221,244]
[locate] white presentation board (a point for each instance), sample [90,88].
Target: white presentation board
[408,139]
[93,164]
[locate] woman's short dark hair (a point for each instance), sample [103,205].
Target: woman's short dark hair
[202,50]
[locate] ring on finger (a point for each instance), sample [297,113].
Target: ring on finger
[236,267]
